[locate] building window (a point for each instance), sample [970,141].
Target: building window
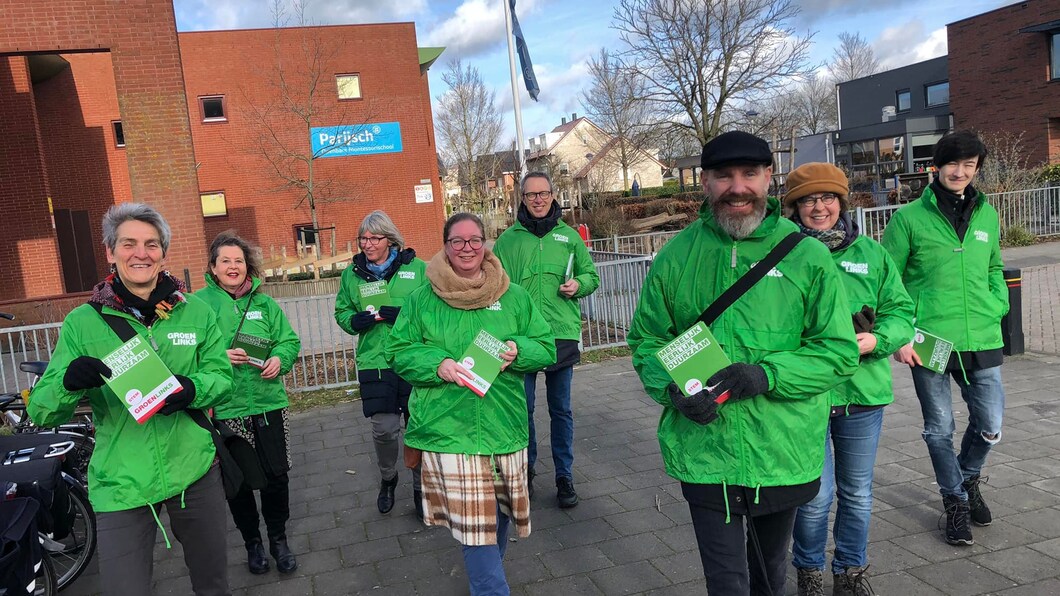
[119,134]
[213,204]
[937,94]
[905,100]
[863,152]
[842,155]
[349,86]
[1054,54]
[923,150]
[305,233]
[213,108]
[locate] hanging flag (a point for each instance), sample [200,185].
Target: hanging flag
[524,56]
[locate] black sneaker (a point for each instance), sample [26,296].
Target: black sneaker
[811,582]
[957,531]
[385,502]
[565,493]
[852,582]
[980,513]
[530,482]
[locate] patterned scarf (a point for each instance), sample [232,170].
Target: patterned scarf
[468,294]
[167,293]
[839,236]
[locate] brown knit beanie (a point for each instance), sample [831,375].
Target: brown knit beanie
[810,178]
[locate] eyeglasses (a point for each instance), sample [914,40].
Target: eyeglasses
[826,198]
[459,243]
[530,196]
[370,240]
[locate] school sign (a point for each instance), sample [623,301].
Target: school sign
[356,139]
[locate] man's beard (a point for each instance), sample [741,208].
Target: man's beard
[736,226]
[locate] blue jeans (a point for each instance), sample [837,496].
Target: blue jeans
[485,570]
[557,391]
[849,476]
[986,404]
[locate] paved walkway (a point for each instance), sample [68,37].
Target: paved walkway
[631,534]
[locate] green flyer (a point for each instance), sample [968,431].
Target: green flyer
[483,360]
[374,295]
[140,378]
[692,357]
[257,348]
[934,351]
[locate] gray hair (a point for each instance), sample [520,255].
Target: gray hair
[378,222]
[123,212]
[529,175]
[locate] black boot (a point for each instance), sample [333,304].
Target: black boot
[285,561]
[417,500]
[385,502]
[977,508]
[256,560]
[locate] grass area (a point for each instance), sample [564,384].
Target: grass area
[604,355]
[307,400]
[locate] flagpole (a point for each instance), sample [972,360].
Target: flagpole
[515,91]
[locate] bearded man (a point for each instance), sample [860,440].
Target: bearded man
[748,446]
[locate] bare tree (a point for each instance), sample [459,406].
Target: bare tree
[853,58]
[815,105]
[300,96]
[701,56]
[468,126]
[616,101]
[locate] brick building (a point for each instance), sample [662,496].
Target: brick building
[1005,74]
[125,109]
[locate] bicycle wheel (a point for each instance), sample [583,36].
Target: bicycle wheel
[45,583]
[72,554]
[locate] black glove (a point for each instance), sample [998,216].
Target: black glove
[181,399]
[362,320]
[389,313]
[864,320]
[85,372]
[740,380]
[699,407]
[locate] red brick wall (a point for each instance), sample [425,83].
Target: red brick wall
[999,77]
[86,170]
[141,36]
[239,65]
[28,256]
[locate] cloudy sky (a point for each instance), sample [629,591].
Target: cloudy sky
[563,34]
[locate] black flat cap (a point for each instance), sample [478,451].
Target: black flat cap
[735,146]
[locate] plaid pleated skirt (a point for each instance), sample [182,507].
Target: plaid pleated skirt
[464,492]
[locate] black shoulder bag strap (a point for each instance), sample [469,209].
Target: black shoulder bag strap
[749,279]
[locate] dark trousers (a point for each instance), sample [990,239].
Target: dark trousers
[127,541]
[730,551]
[275,508]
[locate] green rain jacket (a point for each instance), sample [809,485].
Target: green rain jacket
[410,275]
[448,418]
[871,279]
[250,393]
[140,464]
[539,265]
[794,323]
[958,288]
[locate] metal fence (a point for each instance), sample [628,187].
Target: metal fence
[636,244]
[21,344]
[607,313]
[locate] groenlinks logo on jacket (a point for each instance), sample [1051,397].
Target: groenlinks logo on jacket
[406,275]
[772,272]
[859,268]
[495,306]
[183,339]
[982,236]
[560,237]
[254,315]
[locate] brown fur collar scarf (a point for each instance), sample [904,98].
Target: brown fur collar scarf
[463,293]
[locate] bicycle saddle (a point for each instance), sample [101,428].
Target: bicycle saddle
[34,367]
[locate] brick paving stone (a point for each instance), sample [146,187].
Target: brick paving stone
[961,576]
[1022,564]
[632,578]
[577,560]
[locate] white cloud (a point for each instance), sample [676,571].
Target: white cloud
[476,27]
[204,15]
[907,43]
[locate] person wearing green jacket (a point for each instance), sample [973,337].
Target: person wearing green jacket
[472,436]
[384,260]
[167,460]
[548,258]
[947,247]
[748,446]
[882,313]
[256,407]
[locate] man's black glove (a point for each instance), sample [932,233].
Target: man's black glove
[389,313]
[699,407]
[85,372]
[740,380]
[362,320]
[181,399]
[864,320]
